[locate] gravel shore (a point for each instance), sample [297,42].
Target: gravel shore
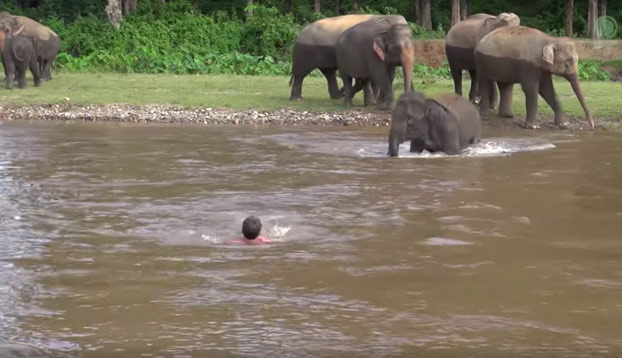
[158,113]
[161,113]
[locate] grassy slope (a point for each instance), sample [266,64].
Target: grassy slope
[263,92]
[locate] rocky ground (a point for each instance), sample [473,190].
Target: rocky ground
[159,113]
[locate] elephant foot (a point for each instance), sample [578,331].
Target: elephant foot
[561,125]
[506,114]
[297,99]
[383,107]
[529,126]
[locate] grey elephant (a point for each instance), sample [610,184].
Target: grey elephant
[19,54]
[48,42]
[315,48]
[530,57]
[460,44]
[370,51]
[447,123]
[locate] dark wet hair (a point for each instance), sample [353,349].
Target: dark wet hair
[251,227]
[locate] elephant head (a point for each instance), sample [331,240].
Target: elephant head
[502,20]
[559,56]
[407,122]
[395,47]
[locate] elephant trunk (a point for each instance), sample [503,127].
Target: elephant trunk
[394,143]
[573,78]
[407,57]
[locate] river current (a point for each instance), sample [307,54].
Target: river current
[112,243]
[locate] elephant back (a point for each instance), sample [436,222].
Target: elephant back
[326,32]
[464,112]
[515,42]
[33,28]
[465,34]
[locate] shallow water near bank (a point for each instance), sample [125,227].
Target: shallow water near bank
[112,243]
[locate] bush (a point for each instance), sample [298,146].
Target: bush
[592,71]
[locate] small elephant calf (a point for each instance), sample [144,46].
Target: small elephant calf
[447,123]
[19,54]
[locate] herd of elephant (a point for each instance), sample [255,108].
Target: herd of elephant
[496,51]
[26,44]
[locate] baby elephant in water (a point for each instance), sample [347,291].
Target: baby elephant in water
[447,123]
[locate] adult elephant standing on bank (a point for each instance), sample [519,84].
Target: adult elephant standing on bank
[369,52]
[48,42]
[460,44]
[530,57]
[315,48]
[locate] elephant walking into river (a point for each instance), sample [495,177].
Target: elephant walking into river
[447,123]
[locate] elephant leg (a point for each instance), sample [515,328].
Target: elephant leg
[505,99]
[494,95]
[391,73]
[456,74]
[34,69]
[296,94]
[417,146]
[381,77]
[10,74]
[46,73]
[473,93]
[547,91]
[331,79]
[484,97]
[531,87]
[368,94]
[21,76]
[347,90]
[358,85]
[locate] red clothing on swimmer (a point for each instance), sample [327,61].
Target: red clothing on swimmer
[251,228]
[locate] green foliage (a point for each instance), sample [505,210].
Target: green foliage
[431,74]
[268,33]
[592,71]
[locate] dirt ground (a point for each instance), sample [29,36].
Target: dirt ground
[432,52]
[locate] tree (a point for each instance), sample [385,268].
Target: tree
[417,8]
[287,6]
[602,8]
[250,11]
[114,12]
[336,7]
[129,6]
[317,6]
[465,8]
[592,17]
[455,12]
[426,14]
[569,17]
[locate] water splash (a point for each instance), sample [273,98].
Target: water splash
[491,147]
[441,241]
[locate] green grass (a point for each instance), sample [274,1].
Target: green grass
[265,92]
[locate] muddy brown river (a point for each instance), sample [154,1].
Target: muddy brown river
[112,243]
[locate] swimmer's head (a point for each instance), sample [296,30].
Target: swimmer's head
[251,227]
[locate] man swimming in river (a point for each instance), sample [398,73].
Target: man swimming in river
[251,228]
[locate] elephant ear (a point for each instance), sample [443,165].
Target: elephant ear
[379,45]
[548,53]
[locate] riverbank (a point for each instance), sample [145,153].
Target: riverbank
[258,100]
